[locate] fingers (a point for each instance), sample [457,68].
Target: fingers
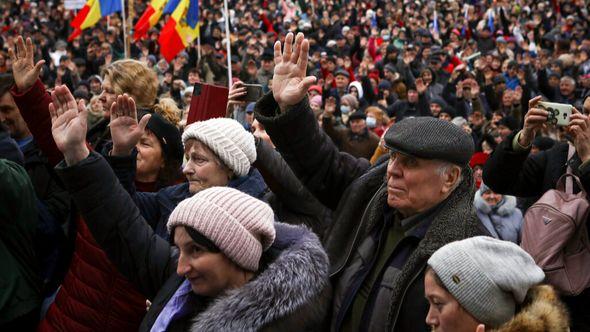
[303,56]
[278,54]
[82,111]
[144,121]
[297,52]
[131,107]
[581,123]
[52,112]
[236,85]
[11,54]
[575,111]
[114,111]
[288,47]
[38,66]
[533,102]
[20,48]
[56,103]
[29,48]
[307,82]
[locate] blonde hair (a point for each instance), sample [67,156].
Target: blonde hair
[134,78]
[168,109]
[378,114]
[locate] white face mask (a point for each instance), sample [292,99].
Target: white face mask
[345,109]
[371,122]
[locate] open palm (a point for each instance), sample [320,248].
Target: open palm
[289,84]
[125,130]
[24,69]
[68,121]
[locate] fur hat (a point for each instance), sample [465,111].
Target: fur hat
[228,139]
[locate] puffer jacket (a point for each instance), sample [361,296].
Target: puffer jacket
[94,296]
[358,197]
[503,221]
[291,292]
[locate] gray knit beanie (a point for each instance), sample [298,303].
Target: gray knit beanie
[228,139]
[241,226]
[487,276]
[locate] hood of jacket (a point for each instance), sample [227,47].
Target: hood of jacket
[542,311]
[292,282]
[504,208]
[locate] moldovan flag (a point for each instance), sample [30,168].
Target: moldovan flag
[91,13]
[180,30]
[149,18]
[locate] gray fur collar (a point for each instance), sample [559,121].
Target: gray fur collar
[504,208]
[295,278]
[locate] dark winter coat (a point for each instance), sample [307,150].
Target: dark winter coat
[514,173]
[291,291]
[358,196]
[156,207]
[359,145]
[105,302]
[20,284]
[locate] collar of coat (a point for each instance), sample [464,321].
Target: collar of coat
[541,311]
[295,275]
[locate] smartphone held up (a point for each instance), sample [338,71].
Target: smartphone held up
[559,114]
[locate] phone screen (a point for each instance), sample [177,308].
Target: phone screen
[253,92]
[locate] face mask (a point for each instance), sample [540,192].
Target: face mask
[345,109]
[385,37]
[371,122]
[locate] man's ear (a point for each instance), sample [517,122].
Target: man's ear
[451,179]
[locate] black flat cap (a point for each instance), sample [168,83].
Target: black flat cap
[430,138]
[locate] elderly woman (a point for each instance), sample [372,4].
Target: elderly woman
[233,268]
[484,284]
[499,214]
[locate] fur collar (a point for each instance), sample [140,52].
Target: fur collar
[504,208]
[295,277]
[542,311]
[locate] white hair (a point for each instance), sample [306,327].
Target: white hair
[445,167]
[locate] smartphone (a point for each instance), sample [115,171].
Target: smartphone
[559,114]
[253,92]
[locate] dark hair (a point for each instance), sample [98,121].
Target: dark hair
[6,82]
[198,238]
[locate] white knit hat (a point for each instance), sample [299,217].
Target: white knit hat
[487,276]
[228,139]
[241,226]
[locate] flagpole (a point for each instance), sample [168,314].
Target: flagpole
[124,19]
[227,36]
[199,46]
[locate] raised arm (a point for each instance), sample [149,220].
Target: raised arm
[292,127]
[31,98]
[111,216]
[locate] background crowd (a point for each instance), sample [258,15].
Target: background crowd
[474,64]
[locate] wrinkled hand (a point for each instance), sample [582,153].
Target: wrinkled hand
[534,120]
[236,94]
[125,131]
[579,128]
[289,84]
[68,124]
[24,68]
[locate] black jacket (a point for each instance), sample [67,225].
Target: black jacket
[354,191]
[514,173]
[290,290]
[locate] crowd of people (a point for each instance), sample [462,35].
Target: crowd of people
[381,182]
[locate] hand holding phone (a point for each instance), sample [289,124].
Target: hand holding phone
[559,114]
[253,92]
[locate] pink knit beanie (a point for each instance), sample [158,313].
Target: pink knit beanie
[241,226]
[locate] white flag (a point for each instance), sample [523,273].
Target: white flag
[74,4]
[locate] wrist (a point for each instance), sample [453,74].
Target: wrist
[76,155]
[120,152]
[525,138]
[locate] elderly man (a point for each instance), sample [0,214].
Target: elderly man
[383,232]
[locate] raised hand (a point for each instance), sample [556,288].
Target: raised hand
[579,128]
[68,124]
[125,130]
[534,120]
[421,87]
[24,68]
[289,84]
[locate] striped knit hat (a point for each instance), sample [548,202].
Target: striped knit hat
[228,139]
[241,226]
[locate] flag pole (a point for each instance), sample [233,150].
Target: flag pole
[227,36]
[199,47]
[124,19]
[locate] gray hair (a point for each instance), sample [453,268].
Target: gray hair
[445,167]
[568,78]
